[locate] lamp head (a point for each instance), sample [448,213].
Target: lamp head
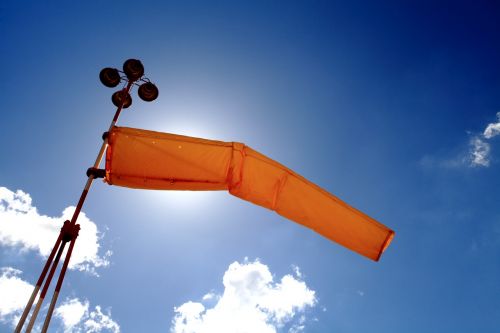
[134,69]
[109,77]
[121,97]
[148,92]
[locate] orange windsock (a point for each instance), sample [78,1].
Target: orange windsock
[152,160]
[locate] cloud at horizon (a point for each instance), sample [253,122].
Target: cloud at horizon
[15,294]
[74,315]
[77,316]
[251,302]
[23,227]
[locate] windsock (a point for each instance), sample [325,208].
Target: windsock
[142,159]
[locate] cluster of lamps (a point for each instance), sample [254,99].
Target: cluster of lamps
[134,72]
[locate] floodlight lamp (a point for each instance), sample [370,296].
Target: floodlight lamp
[109,77]
[134,69]
[148,92]
[121,97]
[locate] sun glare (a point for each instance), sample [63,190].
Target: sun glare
[181,201]
[194,129]
[190,120]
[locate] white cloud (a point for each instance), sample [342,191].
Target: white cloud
[71,312]
[14,294]
[480,149]
[251,302]
[297,271]
[209,296]
[480,152]
[76,317]
[493,129]
[21,225]
[299,326]
[477,154]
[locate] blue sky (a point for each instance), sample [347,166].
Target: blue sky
[381,103]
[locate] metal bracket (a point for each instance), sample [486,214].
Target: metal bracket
[96,173]
[69,231]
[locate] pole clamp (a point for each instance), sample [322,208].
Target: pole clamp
[96,173]
[69,231]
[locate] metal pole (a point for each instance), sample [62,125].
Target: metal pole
[78,208]
[58,285]
[38,285]
[98,160]
[45,288]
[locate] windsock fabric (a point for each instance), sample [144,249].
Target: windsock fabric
[151,160]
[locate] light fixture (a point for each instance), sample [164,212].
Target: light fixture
[148,92]
[120,98]
[134,69]
[110,77]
